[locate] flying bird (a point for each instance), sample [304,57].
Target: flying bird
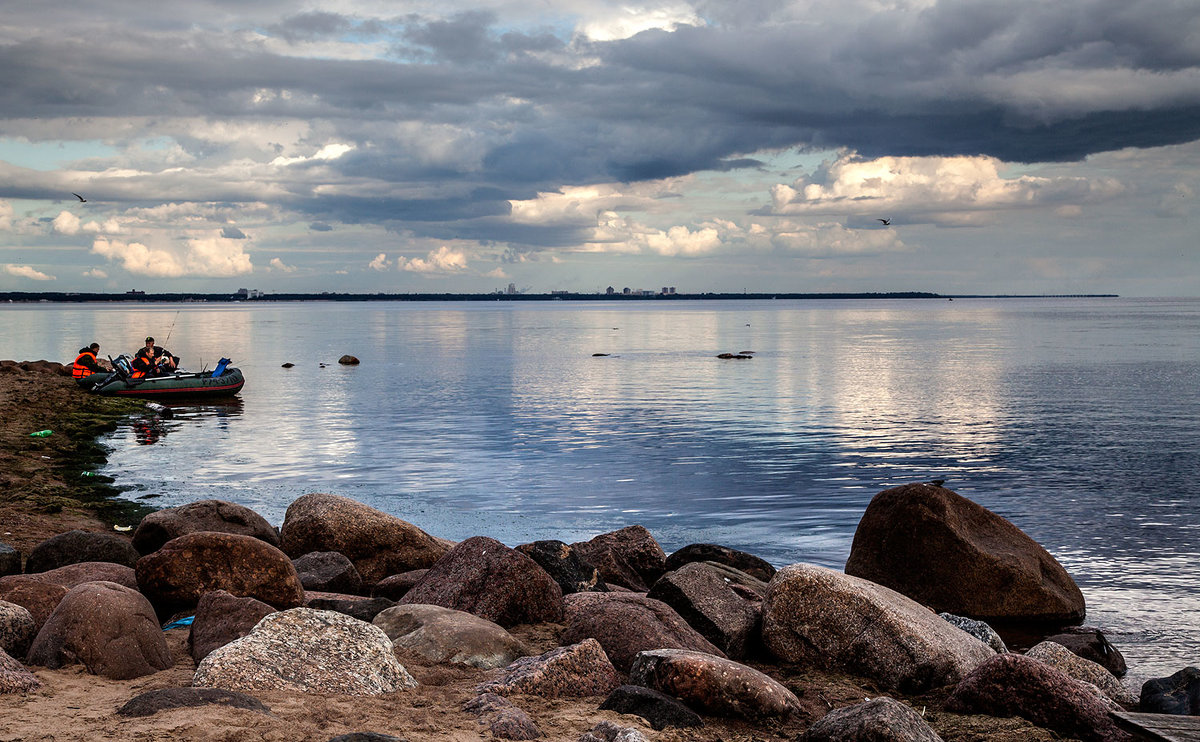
[82,200]
[886,222]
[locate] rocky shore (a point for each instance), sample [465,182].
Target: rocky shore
[206,622]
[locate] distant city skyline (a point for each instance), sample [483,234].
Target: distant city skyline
[953,146]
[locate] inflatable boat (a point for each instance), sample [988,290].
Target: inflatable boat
[223,381]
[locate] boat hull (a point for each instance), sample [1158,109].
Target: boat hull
[178,385]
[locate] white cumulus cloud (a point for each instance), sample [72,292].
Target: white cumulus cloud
[277,264]
[213,257]
[441,260]
[379,263]
[24,271]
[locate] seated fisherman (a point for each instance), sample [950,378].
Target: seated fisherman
[86,366]
[153,360]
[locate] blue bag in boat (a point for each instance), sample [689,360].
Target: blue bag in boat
[220,369]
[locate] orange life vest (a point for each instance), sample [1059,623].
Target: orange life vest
[79,371]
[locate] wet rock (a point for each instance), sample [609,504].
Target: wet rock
[110,629]
[72,575]
[485,577]
[953,555]
[1090,643]
[755,567]
[348,360]
[396,587]
[817,616]
[704,597]
[1177,694]
[38,597]
[17,629]
[288,365]
[14,678]
[627,623]
[876,720]
[178,574]
[163,699]
[573,573]
[978,629]
[629,557]
[356,606]
[1013,685]
[575,671]
[10,560]
[80,546]
[307,651]
[446,635]
[219,516]
[379,544]
[222,617]
[658,708]
[328,571]
[1071,664]
[713,685]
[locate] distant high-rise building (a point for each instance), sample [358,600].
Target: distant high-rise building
[610,291]
[625,291]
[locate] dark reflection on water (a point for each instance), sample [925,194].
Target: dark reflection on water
[1076,419]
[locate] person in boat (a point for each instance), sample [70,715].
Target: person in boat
[86,366]
[153,360]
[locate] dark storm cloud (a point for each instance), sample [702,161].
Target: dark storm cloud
[1023,81]
[233,233]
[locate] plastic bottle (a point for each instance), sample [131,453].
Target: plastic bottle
[42,433]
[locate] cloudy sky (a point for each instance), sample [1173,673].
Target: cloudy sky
[1016,146]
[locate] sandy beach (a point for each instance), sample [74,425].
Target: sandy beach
[42,493]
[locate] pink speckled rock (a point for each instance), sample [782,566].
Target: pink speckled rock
[576,671]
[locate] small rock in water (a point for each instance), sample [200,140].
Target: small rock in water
[739,356]
[288,365]
[599,355]
[348,360]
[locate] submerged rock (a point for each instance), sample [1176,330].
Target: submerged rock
[1177,694]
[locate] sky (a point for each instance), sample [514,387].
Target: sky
[1013,146]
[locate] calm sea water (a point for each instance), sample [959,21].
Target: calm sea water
[1074,418]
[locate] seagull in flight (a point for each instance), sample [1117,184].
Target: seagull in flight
[886,222]
[82,200]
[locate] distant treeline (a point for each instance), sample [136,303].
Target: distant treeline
[52,296]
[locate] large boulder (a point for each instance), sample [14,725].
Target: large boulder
[355,606]
[756,567]
[1071,664]
[713,685]
[446,635]
[185,568]
[816,616]
[485,577]
[629,557]
[953,555]
[574,671]
[704,596]
[14,678]
[218,516]
[1015,685]
[1177,694]
[328,571]
[36,596]
[379,544]
[628,623]
[222,617]
[80,546]
[110,629]
[573,573]
[17,629]
[72,575]
[876,720]
[307,651]
[1090,643]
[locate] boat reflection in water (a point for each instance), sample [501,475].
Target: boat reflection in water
[148,429]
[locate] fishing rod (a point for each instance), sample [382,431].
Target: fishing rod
[172,327]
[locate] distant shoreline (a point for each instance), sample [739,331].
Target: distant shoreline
[80,297]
